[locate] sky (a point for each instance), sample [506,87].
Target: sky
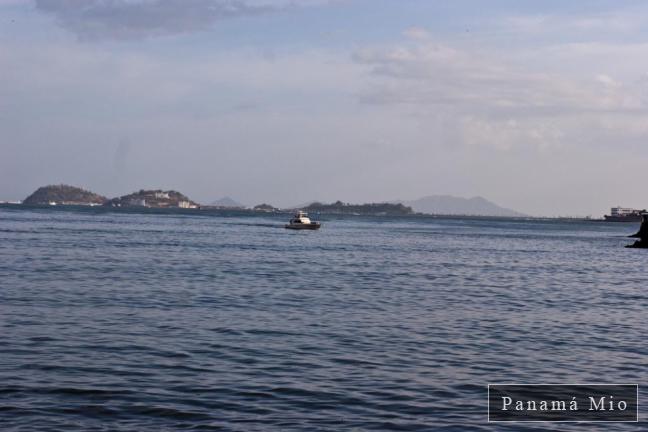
[539,106]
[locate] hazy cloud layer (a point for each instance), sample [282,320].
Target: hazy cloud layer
[514,100]
[438,75]
[136,19]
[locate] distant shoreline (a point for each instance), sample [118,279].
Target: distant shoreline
[278,212]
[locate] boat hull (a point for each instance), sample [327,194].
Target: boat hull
[310,226]
[625,218]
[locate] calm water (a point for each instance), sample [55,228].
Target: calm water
[116,321]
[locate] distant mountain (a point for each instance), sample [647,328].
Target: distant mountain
[63,194]
[302,205]
[226,202]
[451,205]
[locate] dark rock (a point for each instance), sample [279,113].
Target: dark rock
[642,234]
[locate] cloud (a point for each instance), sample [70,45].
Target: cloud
[416,33]
[621,21]
[467,81]
[94,20]
[553,97]
[607,80]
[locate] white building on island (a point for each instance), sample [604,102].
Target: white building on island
[186,204]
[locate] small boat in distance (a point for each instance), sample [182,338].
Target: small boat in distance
[301,221]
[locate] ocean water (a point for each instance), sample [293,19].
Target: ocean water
[137,322]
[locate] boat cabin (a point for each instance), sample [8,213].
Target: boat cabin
[300,217]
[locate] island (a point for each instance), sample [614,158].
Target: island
[63,195]
[171,199]
[265,208]
[153,199]
[371,209]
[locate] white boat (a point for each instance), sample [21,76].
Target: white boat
[301,221]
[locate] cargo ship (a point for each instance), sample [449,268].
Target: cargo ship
[624,214]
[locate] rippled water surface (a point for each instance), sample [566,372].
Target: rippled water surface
[124,321]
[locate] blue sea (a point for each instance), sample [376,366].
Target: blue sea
[118,321]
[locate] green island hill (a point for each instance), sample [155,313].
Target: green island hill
[63,195]
[373,209]
[153,199]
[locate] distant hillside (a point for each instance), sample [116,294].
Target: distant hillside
[302,205]
[154,199]
[227,202]
[451,205]
[63,194]
[265,208]
[378,209]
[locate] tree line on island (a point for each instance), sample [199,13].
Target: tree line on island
[436,204]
